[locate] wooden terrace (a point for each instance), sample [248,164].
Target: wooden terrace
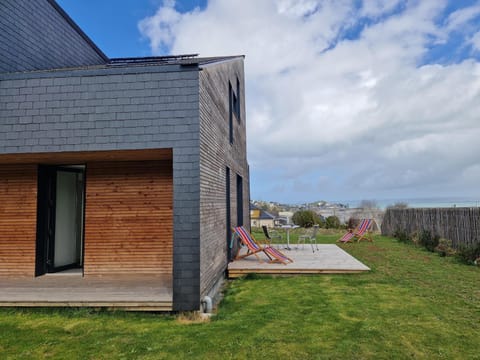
[328,259]
[135,292]
[154,293]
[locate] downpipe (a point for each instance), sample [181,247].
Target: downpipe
[207,304]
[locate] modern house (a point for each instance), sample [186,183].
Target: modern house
[114,173]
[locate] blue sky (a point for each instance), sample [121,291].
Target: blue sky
[346,99]
[113,24]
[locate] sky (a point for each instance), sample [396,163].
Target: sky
[346,99]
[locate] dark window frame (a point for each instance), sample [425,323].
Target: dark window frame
[46,223]
[234,107]
[228,213]
[230,112]
[238,102]
[239,200]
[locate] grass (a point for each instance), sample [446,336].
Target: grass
[327,236]
[413,304]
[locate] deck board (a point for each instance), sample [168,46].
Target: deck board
[329,259]
[127,292]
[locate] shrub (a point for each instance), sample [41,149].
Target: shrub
[428,240]
[402,236]
[321,221]
[469,254]
[351,223]
[332,222]
[444,247]
[415,238]
[306,218]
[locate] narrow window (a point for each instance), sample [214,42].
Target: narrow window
[230,112]
[230,243]
[238,100]
[239,200]
[234,106]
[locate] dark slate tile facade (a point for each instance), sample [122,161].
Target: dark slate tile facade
[37,35]
[99,109]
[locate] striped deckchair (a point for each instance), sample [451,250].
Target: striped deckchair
[362,231]
[347,237]
[253,248]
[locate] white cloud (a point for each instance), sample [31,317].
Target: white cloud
[375,8]
[359,114]
[160,28]
[459,18]
[475,41]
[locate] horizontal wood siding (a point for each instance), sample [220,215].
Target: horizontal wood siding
[18,219]
[129,218]
[216,154]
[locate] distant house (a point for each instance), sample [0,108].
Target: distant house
[285,217]
[116,167]
[259,217]
[280,221]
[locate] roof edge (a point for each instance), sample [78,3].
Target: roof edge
[150,59]
[77,28]
[220,59]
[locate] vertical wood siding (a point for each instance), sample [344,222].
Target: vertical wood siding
[129,218]
[18,219]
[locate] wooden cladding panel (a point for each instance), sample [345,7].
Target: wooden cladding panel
[129,218]
[81,157]
[18,219]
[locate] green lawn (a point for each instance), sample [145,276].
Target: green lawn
[413,304]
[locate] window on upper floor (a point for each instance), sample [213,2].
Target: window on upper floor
[237,103]
[230,112]
[234,106]
[235,100]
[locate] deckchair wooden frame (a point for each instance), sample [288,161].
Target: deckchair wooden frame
[347,237]
[253,248]
[364,232]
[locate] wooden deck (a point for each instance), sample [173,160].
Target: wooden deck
[329,259]
[139,293]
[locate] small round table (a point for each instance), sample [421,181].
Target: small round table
[287,229]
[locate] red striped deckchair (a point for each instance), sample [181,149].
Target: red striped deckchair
[253,248]
[277,255]
[363,230]
[359,233]
[347,237]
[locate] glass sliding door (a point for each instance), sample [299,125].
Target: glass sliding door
[61,201]
[68,219]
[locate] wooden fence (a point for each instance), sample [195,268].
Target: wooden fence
[460,225]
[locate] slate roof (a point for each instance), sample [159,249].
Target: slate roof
[264,215]
[77,28]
